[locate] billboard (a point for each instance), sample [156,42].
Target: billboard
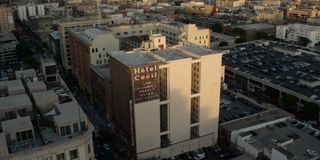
[145,83]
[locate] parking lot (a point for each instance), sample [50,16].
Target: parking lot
[207,153]
[233,107]
[264,62]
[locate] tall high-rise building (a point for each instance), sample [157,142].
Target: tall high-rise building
[166,102]
[6,19]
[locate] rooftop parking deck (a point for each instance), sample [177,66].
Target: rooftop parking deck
[284,132]
[270,65]
[232,107]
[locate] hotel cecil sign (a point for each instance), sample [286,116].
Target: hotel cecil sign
[145,83]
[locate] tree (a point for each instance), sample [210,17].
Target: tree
[239,32]
[311,111]
[224,43]
[262,35]
[217,27]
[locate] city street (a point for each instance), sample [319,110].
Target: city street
[38,52]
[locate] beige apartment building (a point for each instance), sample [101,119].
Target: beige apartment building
[75,23]
[166,102]
[89,46]
[6,19]
[230,4]
[175,32]
[274,17]
[300,14]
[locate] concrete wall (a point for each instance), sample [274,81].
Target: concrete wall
[179,83]
[210,82]
[147,126]
[276,155]
[106,41]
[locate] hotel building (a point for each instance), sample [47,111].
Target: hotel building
[166,102]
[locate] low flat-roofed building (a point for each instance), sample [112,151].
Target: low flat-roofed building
[252,29]
[221,40]
[45,100]
[8,43]
[31,73]
[18,129]
[229,131]
[49,70]
[61,134]
[12,105]
[13,87]
[69,114]
[262,68]
[280,141]
[36,86]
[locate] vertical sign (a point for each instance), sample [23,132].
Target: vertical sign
[146,83]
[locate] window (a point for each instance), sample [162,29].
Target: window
[99,55]
[164,140]
[125,33]
[195,38]
[163,118]
[83,125]
[65,130]
[60,156]
[159,40]
[24,135]
[96,49]
[194,117]
[92,50]
[68,130]
[74,154]
[18,136]
[62,131]
[97,61]
[194,132]
[75,128]
[30,134]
